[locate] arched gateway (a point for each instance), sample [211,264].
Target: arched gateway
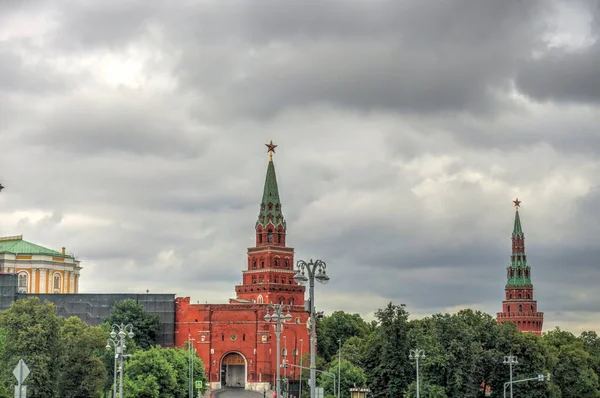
[233,370]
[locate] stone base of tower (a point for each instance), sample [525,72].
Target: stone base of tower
[530,322]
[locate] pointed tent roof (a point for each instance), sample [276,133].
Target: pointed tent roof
[270,207]
[517,230]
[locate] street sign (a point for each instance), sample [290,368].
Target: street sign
[21,371]
[198,383]
[23,392]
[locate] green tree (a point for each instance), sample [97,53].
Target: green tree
[142,386]
[387,366]
[338,326]
[351,376]
[32,334]
[145,326]
[82,372]
[168,366]
[426,391]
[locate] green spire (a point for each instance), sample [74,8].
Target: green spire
[517,231]
[518,271]
[270,207]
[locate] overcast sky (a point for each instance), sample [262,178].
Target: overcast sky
[132,132]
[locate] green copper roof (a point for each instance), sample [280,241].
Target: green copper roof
[517,231]
[270,207]
[16,245]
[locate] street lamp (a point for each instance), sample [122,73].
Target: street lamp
[315,270]
[191,352]
[539,377]
[511,360]
[275,314]
[416,355]
[301,355]
[117,340]
[339,366]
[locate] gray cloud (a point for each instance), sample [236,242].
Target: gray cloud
[132,133]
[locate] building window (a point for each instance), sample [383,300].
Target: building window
[56,283]
[244,337]
[23,277]
[278,238]
[508,308]
[520,296]
[254,264]
[262,263]
[286,262]
[276,262]
[275,280]
[270,236]
[260,238]
[520,308]
[291,301]
[222,337]
[259,299]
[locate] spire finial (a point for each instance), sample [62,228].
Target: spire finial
[271,149]
[517,203]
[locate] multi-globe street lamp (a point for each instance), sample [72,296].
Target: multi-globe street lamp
[417,354]
[191,352]
[275,314]
[315,270]
[511,360]
[117,340]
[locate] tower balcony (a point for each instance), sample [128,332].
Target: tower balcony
[524,314]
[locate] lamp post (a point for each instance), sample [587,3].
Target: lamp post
[301,355]
[511,360]
[539,377]
[275,314]
[315,270]
[339,366]
[416,355]
[117,340]
[191,352]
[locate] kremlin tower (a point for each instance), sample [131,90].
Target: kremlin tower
[519,306]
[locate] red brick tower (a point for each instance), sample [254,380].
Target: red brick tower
[519,306]
[270,274]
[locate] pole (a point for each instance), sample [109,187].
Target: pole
[301,355]
[511,380]
[122,369]
[313,333]
[339,366]
[115,376]
[278,333]
[418,395]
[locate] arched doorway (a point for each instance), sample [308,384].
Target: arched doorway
[233,370]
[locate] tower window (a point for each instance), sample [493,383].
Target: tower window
[508,309]
[254,264]
[262,263]
[520,297]
[520,308]
[532,308]
[528,296]
[270,206]
[259,238]
[23,282]
[510,297]
[286,262]
[244,337]
[279,238]
[259,299]
[276,262]
[270,236]
[275,280]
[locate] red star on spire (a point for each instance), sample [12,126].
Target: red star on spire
[271,148]
[517,203]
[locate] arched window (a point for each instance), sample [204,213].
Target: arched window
[510,296]
[528,296]
[56,283]
[286,262]
[260,237]
[520,296]
[254,264]
[276,262]
[222,337]
[275,279]
[532,308]
[259,299]
[508,309]
[520,308]
[262,263]
[291,301]
[279,238]
[270,236]
[23,279]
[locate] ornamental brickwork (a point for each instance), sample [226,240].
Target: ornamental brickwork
[235,343]
[519,305]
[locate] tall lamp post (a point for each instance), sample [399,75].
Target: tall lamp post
[275,314]
[117,340]
[511,360]
[339,366]
[315,270]
[191,352]
[301,355]
[417,354]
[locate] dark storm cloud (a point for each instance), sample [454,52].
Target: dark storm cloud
[132,133]
[566,74]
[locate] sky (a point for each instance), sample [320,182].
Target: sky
[133,132]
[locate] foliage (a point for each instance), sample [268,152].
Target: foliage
[32,334]
[339,326]
[145,326]
[82,372]
[351,376]
[426,391]
[168,366]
